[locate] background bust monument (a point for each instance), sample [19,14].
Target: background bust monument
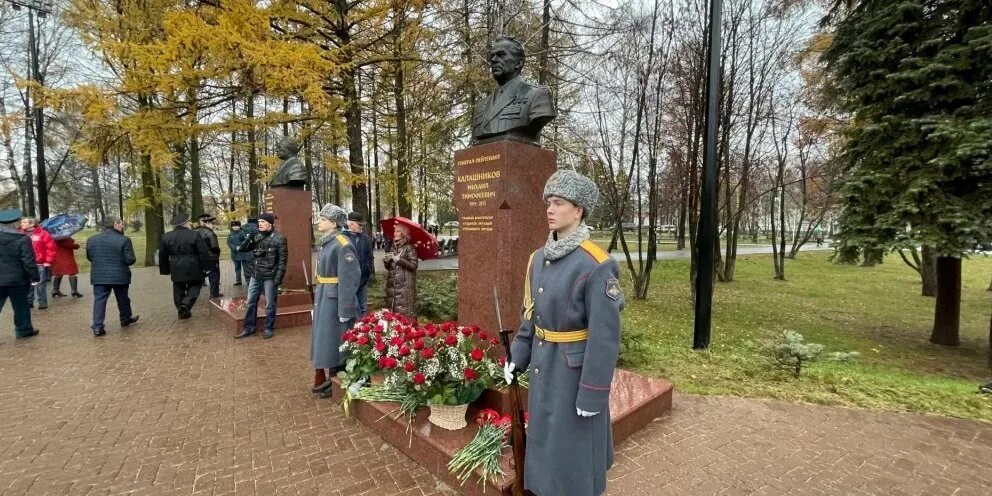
[517,109]
[292,173]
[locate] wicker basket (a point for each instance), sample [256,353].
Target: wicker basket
[450,417]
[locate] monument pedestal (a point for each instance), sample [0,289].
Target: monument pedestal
[635,401]
[498,195]
[294,220]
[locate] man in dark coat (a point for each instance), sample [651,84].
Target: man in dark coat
[111,256]
[185,255]
[206,230]
[18,272]
[234,239]
[269,258]
[363,248]
[570,339]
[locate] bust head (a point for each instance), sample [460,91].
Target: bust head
[506,58]
[287,147]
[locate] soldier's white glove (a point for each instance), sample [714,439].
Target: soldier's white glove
[508,372]
[582,413]
[343,320]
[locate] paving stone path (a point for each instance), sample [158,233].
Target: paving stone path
[179,407]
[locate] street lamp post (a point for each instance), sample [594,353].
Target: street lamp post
[42,8]
[707,214]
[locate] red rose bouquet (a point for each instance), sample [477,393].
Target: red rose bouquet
[484,450]
[447,364]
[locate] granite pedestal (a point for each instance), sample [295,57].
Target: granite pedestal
[635,401]
[501,214]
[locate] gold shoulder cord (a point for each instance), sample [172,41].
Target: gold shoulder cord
[528,298]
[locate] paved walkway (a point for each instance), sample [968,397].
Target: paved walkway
[179,407]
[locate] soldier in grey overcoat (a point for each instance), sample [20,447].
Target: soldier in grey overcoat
[338,278]
[569,337]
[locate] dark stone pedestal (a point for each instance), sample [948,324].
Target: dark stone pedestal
[498,189]
[294,219]
[634,402]
[292,310]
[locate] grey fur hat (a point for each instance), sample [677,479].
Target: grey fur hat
[573,187]
[335,214]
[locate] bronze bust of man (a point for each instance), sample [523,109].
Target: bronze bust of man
[517,109]
[292,173]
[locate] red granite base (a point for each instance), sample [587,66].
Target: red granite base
[635,401]
[292,310]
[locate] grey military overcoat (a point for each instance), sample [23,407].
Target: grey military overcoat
[568,454]
[337,258]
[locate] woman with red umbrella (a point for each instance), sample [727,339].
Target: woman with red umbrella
[410,243]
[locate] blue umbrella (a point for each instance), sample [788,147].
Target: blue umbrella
[64,225]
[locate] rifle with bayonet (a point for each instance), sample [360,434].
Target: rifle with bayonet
[518,434]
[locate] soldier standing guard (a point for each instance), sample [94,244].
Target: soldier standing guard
[335,307]
[570,338]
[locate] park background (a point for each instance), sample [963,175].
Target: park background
[144,109]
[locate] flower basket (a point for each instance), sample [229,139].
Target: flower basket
[450,417]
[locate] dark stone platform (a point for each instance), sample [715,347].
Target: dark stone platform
[635,401]
[292,309]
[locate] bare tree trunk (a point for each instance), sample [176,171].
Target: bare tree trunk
[154,223]
[947,311]
[402,148]
[353,121]
[97,190]
[8,148]
[683,212]
[253,177]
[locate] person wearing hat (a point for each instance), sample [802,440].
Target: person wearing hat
[363,247]
[268,267]
[18,272]
[336,285]
[569,338]
[44,254]
[234,238]
[111,256]
[184,254]
[206,229]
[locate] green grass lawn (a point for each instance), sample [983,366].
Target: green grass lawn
[876,311]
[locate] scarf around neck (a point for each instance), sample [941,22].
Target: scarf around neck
[558,248]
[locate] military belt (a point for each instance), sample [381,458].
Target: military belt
[562,336]
[326,280]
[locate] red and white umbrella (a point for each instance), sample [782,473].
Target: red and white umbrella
[424,242]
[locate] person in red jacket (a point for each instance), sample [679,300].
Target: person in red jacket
[65,265]
[44,257]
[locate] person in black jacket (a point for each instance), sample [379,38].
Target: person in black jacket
[18,272]
[363,246]
[268,266]
[184,254]
[206,230]
[111,256]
